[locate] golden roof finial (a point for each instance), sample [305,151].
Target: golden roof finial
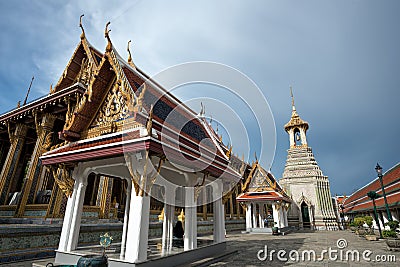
[229,152]
[291,94]
[81,26]
[130,56]
[52,90]
[106,35]
[203,110]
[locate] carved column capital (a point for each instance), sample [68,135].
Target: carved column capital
[48,121]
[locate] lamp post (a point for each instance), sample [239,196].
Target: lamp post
[373,195]
[379,172]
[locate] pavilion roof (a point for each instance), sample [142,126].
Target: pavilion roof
[186,132]
[295,121]
[262,185]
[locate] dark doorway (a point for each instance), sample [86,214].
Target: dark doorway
[305,214]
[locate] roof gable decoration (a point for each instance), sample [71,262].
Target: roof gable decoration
[133,102]
[246,183]
[108,101]
[259,182]
[81,67]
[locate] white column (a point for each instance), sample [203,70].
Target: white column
[261,207]
[285,219]
[190,237]
[254,214]
[281,218]
[81,179]
[126,218]
[248,216]
[219,221]
[66,227]
[169,212]
[275,214]
[267,213]
[138,228]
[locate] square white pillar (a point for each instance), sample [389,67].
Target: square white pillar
[168,223]
[275,214]
[190,237]
[285,220]
[66,227]
[248,217]
[81,180]
[219,221]
[138,228]
[281,218]
[254,215]
[261,215]
[126,219]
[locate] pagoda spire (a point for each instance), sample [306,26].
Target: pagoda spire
[291,95]
[296,127]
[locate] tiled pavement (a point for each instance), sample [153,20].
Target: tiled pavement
[248,246]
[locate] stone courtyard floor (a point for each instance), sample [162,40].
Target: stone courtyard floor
[249,245]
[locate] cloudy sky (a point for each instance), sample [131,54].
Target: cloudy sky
[341,57]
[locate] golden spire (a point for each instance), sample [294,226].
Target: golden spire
[130,62]
[295,119]
[106,35]
[80,25]
[291,94]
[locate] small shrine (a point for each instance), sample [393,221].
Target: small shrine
[265,201]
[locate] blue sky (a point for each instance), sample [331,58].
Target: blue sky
[341,57]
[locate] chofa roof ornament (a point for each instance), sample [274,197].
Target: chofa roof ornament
[130,56]
[81,26]
[106,35]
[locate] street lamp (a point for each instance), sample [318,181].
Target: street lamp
[379,172]
[373,195]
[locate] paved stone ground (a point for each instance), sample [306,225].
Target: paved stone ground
[248,245]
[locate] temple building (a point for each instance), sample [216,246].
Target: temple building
[30,192]
[265,201]
[304,181]
[99,148]
[359,203]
